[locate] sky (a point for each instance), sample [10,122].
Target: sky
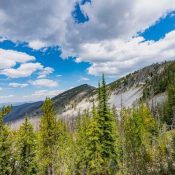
[47,47]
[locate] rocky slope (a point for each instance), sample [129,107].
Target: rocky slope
[148,84]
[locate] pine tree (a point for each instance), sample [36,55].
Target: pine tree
[81,142]
[5,144]
[107,126]
[26,149]
[48,136]
[93,149]
[100,156]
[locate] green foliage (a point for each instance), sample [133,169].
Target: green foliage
[81,142]
[100,152]
[106,124]
[64,162]
[160,82]
[169,108]
[93,148]
[5,151]
[26,149]
[96,139]
[139,131]
[103,141]
[48,136]
[5,144]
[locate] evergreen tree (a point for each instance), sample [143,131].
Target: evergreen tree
[5,144]
[65,151]
[107,127]
[101,137]
[48,136]
[140,129]
[26,149]
[81,142]
[169,115]
[93,150]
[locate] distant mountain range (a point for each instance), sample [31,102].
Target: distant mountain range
[13,103]
[148,84]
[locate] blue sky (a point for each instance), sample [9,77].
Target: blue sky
[48,54]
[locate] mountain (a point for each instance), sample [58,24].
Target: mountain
[20,111]
[62,102]
[148,84]
[13,103]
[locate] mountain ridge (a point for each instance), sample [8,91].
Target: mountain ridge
[128,90]
[34,109]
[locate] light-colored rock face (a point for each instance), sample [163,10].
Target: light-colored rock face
[16,124]
[157,99]
[129,98]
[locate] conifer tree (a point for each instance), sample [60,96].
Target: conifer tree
[100,138]
[81,142]
[48,136]
[65,152]
[93,149]
[26,149]
[140,128]
[5,144]
[107,127]
[169,115]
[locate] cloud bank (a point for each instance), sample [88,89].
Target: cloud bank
[108,40]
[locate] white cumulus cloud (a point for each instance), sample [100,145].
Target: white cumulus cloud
[9,58]
[24,70]
[18,85]
[101,41]
[37,44]
[46,71]
[117,56]
[44,83]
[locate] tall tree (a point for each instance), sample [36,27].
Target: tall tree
[26,149]
[101,137]
[107,126]
[81,142]
[169,116]
[48,136]
[65,151]
[93,155]
[5,144]
[140,128]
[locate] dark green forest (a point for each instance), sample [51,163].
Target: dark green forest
[102,141]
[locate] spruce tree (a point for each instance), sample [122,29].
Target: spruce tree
[26,149]
[48,136]
[107,126]
[100,156]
